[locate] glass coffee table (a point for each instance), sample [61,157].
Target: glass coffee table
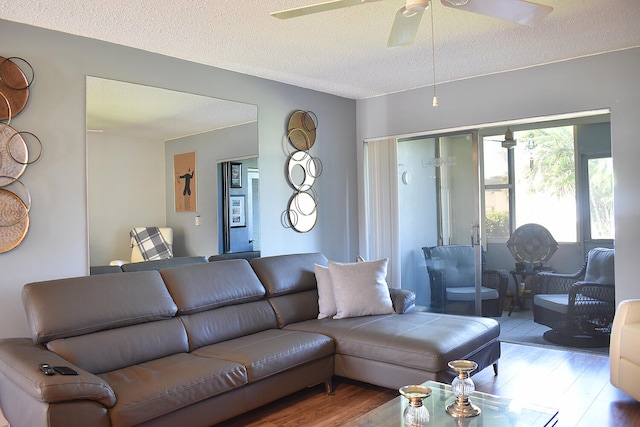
[496,411]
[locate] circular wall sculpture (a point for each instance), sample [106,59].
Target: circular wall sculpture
[17,151]
[302,170]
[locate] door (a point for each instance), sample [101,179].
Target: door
[439,204]
[458,189]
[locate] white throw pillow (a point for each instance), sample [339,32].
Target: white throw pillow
[360,289]
[326,300]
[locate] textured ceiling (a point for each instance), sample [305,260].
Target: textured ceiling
[341,52]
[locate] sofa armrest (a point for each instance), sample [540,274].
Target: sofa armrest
[404,301]
[19,363]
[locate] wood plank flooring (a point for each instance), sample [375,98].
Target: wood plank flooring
[576,383]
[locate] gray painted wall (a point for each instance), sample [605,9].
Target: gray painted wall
[57,242]
[210,148]
[126,181]
[591,83]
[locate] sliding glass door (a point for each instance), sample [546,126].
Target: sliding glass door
[436,204]
[438,201]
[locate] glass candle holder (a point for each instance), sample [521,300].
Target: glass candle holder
[463,387]
[415,415]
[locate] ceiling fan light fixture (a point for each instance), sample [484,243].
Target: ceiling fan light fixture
[415,6]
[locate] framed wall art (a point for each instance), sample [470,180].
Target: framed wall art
[236,175]
[184,169]
[237,216]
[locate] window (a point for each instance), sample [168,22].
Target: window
[534,182]
[600,182]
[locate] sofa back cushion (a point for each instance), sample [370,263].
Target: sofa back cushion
[291,285]
[203,287]
[159,264]
[113,349]
[226,323]
[72,307]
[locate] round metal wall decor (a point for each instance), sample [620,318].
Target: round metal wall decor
[302,170]
[14,220]
[17,151]
[302,129]
[14,85]
[532,243]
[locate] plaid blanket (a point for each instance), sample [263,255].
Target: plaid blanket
[151,243]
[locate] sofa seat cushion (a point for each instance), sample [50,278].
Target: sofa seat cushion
[629,339]
[425,341]
[468,293]
[270,352]
[155,388]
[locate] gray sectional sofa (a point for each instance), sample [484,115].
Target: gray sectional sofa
[198,344]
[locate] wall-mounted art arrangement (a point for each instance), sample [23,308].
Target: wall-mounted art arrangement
[184,169]
[237,216]
[302,170]
[18,149]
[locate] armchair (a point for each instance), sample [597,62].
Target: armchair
[624,358]
[579,307]
[451,271]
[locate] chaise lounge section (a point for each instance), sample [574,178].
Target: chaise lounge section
[202,343]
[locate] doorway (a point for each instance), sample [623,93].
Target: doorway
[239,204]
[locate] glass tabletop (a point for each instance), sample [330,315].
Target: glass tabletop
[496,411]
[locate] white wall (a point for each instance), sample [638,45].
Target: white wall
[591,83]
[126,178]
[56,245]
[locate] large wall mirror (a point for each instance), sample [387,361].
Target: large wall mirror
[133,133]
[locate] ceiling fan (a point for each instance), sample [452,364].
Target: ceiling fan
[407,19]
[508,141]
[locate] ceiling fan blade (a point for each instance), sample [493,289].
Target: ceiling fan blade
[518,11]
[316,8]
[404,29]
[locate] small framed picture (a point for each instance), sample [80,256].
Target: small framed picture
[236,212]
[236,175]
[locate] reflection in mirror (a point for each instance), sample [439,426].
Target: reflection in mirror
[133,133]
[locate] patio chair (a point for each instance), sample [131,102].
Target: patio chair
[579,307]
[451,272]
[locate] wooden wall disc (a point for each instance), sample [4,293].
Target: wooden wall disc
[12,207]
[14,85]
[14,162]
[302,130]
